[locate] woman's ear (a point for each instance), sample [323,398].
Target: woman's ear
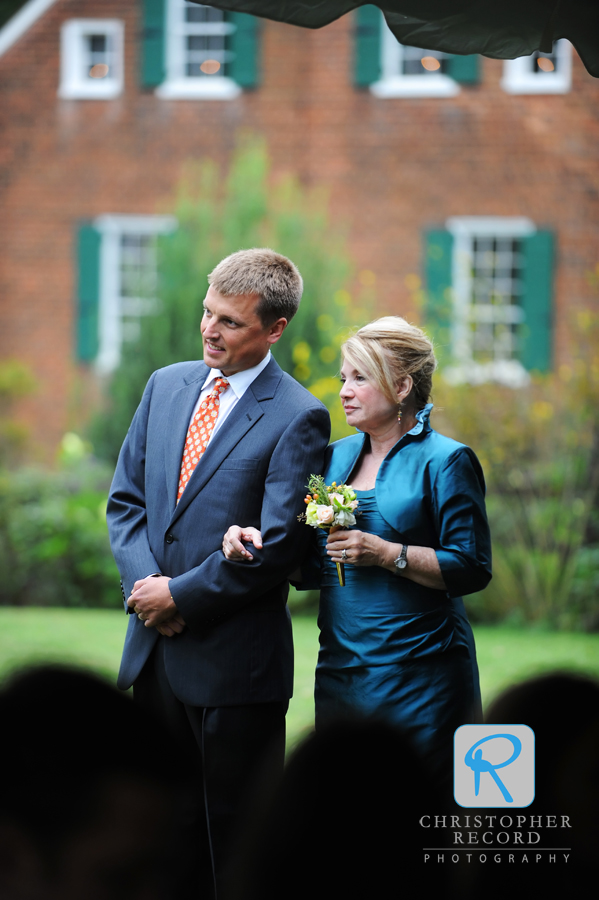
[404,388]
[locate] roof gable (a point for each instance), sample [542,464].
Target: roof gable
[22,21]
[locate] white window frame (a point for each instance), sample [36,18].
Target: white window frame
[110,319]
[73,83]
[464,230]
[394,84]
[518,78]
[178,85]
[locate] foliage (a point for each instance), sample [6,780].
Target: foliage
[539,447]
[54,548]
[219,213]
[16,381]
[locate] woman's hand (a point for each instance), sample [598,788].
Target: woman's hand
[232,546]
[361,548]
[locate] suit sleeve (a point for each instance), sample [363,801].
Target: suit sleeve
[464,551]
[126,511]
[219,586]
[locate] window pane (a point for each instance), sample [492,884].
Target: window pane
[495,312]
[544,63]
[98,55]
[138,281]
[205,41]
[416,61]
[196,13]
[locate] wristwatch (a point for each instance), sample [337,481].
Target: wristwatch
[402,560]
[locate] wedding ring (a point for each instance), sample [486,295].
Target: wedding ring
[344,553]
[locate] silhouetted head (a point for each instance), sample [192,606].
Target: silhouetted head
[89,801]
[344,820]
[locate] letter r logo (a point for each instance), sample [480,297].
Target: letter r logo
[494,765]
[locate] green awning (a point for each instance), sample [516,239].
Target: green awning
[502,29]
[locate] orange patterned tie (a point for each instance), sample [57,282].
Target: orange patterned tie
[199,433]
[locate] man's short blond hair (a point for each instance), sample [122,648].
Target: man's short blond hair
[261,271]
[387,350]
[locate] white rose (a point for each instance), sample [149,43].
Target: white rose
[324,514]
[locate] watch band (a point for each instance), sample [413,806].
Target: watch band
[402,560]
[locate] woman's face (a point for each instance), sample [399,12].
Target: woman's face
[365,405]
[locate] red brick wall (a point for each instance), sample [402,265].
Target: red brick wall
[394,166]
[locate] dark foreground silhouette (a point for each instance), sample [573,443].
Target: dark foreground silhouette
[91,805]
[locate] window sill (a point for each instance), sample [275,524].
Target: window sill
[507,371]
[81,90]
[416,86]
[209,88]
[536,84]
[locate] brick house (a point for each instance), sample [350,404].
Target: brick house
[479,177]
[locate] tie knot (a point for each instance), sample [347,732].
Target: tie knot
[220,385]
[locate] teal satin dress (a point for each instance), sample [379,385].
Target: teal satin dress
[390,648]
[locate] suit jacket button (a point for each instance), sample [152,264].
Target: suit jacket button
[169,538]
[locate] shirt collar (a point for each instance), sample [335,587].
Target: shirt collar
[240,381]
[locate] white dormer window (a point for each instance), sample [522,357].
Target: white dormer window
[91,59]
[198,53]
[540,73]
[411,71]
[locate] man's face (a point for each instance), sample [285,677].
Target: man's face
[233,334]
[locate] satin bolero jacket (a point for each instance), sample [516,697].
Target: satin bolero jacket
[431,490]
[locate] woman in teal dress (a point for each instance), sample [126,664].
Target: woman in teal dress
[395,642]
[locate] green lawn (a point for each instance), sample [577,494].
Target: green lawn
[94,639]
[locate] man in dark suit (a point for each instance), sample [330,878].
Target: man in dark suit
[213,443]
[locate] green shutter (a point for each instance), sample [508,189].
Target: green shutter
[464,69]
[536,331]
[88,292]
[243,68]
[152,68]
[438,246]
[367,59]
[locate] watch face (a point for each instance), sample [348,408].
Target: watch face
[401,563]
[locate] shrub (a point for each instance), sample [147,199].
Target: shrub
[539,447]
[54,548]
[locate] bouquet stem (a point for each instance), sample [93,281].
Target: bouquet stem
[340,566]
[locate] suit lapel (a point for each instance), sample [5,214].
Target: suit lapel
[182,404]
[242,417]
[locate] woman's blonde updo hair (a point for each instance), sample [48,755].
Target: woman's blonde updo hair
[387,350]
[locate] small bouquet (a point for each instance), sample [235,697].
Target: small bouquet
[330,507]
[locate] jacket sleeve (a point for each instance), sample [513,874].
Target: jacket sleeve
[464,551]
[219,586]
[126,510]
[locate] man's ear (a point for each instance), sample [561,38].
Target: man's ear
[276,330]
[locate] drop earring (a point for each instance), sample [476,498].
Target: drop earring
[399,415]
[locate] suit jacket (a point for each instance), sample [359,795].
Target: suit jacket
[237,648]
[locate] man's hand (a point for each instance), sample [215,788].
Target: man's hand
[151,600]
[174,626]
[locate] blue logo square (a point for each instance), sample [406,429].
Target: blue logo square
[494,765]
